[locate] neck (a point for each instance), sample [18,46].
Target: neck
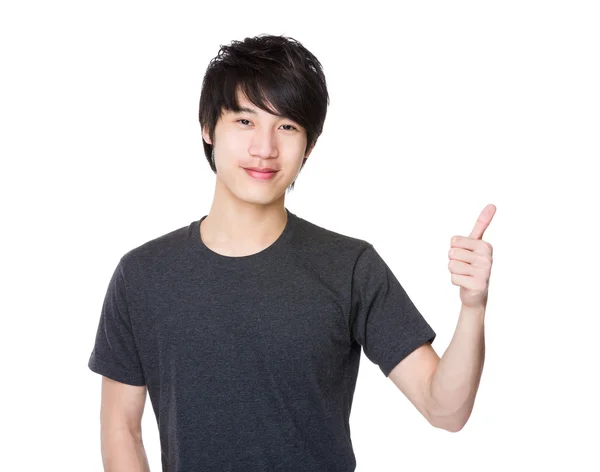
[236,228]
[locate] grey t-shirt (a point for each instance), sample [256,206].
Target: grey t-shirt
[251,362]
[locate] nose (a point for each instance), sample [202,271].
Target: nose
[263,144]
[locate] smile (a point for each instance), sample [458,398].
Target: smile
[260,175]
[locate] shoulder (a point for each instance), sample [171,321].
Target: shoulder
[311,238]
[159,248]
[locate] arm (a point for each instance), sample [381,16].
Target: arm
[455,382]
[121,430]
[443,390]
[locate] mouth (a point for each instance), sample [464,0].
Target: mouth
[261,175]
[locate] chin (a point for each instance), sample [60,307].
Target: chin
[261,197]
[250,190]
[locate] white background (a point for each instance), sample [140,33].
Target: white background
[437,109]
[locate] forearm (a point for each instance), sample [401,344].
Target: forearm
[455,382]
[123,451]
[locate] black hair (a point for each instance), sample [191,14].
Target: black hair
[265,68]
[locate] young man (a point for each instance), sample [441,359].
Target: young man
[246,326]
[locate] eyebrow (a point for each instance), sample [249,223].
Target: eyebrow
[245,110]
[252,112]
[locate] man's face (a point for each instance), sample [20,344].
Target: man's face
[256,138]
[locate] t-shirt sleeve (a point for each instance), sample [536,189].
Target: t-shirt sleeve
[115,354]
[385,322]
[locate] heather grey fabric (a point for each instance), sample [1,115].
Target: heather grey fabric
[251,362]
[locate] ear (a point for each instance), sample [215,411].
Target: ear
[205,135]
[310,150]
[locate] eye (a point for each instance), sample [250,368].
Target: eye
[291,127]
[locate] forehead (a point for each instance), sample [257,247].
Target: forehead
[248,107]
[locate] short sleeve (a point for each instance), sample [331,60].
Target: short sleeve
[384,320]
[115,354]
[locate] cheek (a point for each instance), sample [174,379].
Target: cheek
[234,146]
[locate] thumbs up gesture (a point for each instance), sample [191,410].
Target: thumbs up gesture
[471,261]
